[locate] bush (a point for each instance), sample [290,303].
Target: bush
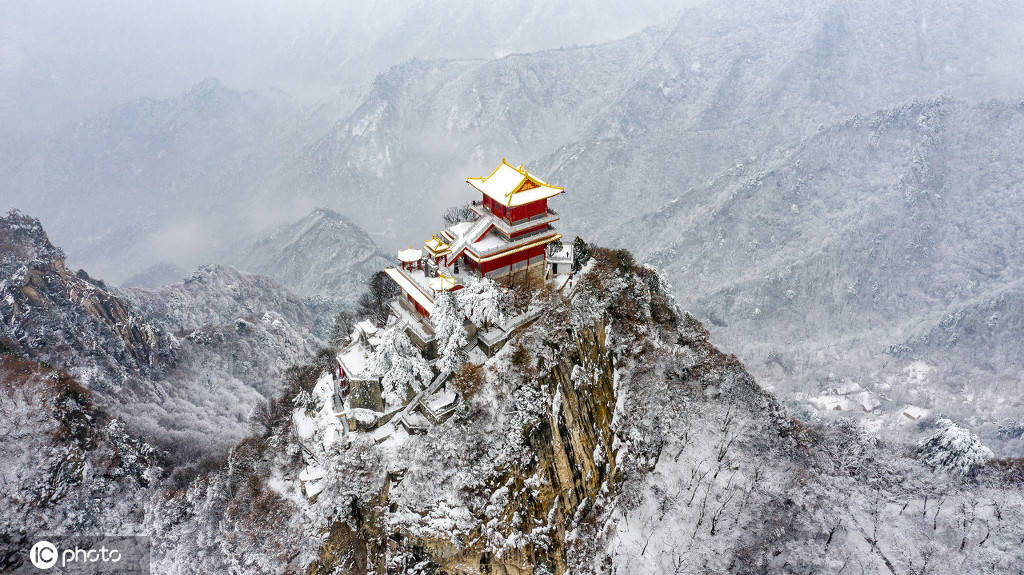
[468,380]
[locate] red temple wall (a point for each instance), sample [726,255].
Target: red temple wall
[511,259]
[528,210]
[517,213]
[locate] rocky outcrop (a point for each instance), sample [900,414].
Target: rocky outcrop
[182,365]
[609,436]
[70,319]
[68,467]
[572,464]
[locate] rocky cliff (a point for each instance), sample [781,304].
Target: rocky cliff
[67,466]
[608,437]
[69,319]
[183,364]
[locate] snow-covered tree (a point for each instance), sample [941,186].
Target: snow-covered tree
[398,363]
[451,336]
[483,302]
[954,448]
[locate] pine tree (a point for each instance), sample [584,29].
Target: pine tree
[954,448]
[451,336]
[580,254]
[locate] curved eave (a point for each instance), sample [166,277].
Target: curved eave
[511,198]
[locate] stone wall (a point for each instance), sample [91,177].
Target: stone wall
[366,394]
[531,276]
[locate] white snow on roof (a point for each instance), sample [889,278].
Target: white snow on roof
[411,288]
[354,360]
[914,412]
[410,255]
[367,327]
[441,400]
[489,242]
[441,282]
[501,184]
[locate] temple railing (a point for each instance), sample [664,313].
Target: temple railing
[518,242]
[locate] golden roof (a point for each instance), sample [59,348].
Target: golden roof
[436,246]
[513,186]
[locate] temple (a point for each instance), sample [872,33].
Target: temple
[506,233]
[506,239]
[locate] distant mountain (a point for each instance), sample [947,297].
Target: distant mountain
[426,125]
[155,276]
[879,243]
[183,366]
[737,81]
[322,254]
[149,181]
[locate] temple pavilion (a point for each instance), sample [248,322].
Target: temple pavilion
[507,241]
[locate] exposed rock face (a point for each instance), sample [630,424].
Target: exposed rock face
[42,300]
[573,463]
[184,364]
[65,465]
[609,436]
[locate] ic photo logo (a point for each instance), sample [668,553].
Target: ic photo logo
[125,555]
[43,555]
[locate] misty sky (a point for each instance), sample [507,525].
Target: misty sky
[61,61]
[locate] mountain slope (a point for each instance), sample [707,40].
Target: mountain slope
[883,241]
[67,466]
[426,125]
[735,81]
[183,365]
[42,298]
[322,254]
[146,180]
[609,436]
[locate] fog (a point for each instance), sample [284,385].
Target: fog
[62,61]
[169,135]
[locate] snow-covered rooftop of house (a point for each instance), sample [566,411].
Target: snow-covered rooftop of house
[512,186]
[441,282]
[410,255]
[436,246]
[441,400]
[366,326]
[489,242]
[914,412]
[354,360]
[408,280]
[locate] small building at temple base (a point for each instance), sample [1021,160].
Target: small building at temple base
[354,380]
